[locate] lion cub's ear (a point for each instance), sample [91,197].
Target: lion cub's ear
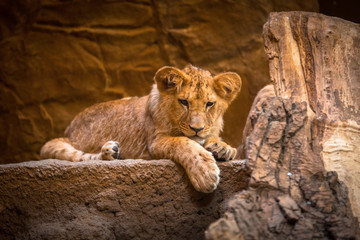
[227,85]
[169,79]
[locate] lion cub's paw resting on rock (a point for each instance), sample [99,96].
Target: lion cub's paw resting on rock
[220,150]
[110,151]
[180,119]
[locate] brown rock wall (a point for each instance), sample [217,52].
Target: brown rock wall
[58,57]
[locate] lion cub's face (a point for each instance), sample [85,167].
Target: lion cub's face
[196,99]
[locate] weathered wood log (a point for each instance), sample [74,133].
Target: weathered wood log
[290,195]
[316,59]
[302,141]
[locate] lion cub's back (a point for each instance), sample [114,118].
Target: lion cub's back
[119,120]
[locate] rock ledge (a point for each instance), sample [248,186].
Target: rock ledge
[125,199]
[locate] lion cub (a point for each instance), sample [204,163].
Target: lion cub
[180,119]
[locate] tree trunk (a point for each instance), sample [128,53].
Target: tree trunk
[316,59]
[302,143]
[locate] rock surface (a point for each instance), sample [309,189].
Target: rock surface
[58,57]
[125,199]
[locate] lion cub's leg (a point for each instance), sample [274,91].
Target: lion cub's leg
[61,148]
[198,163]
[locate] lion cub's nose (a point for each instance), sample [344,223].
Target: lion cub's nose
[196,130]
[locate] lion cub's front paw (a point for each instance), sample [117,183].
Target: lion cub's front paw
[110,151]
[221,150]
[204,173]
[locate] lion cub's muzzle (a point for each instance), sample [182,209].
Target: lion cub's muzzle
[197,123]
[196,130]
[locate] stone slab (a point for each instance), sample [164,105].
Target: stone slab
[123,199]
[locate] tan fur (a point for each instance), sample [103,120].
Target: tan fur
[175,121]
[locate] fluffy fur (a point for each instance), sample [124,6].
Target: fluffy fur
[180,119]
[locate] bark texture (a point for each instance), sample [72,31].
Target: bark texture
[316,59]
[127,199]
[303,140]
[58,57]
[290,195]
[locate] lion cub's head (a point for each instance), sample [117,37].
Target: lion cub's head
[195,100]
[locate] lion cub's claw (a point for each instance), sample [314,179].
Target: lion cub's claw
[110,151]
[221,151]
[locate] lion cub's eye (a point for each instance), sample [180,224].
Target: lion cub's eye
[184,102]
[209,104]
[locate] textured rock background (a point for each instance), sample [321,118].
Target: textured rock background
[58,57]
[124,199]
